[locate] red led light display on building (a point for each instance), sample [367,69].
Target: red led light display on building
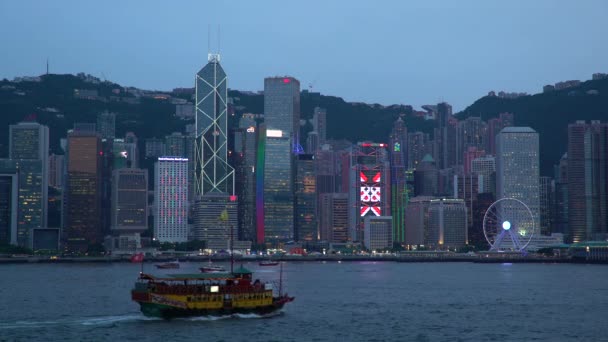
[286,80]
[370,193]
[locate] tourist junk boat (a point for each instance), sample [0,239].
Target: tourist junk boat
[207,294]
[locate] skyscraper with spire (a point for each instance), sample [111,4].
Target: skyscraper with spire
[213,174]
[214,177]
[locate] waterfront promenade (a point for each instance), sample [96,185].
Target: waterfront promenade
[406,257]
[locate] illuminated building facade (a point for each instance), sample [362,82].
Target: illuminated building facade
[306,227]
[82,214]
[517,168]
[29,149]
[171,199]
[213,174]
[208,223]
[399,195]
[274,187]
[369,177]
[282,106]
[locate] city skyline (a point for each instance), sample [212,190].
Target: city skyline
[522,58]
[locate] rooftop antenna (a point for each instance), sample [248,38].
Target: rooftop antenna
[47,65]
[208,38]
[218,39]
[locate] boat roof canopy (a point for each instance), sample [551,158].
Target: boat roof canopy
[242,270]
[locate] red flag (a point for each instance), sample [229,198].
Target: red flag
[138,257]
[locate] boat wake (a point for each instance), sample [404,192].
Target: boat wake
[120,319]
[233,316]
[88,321]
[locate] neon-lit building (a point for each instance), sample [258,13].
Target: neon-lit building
[171,199]
[369,193]
[274,187]
[399,195]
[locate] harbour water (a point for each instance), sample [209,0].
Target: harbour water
[348,301]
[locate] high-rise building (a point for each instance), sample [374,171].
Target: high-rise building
[588,181]
[416,142]
[560,205]
[546,194]
[378,233]
[215,220]
[333,217]
[56,170]
[171,199]
[106,125]
[471,134]
[517,169]
[82,194]
[399,194]
[175,145]
[470,154]
[494,126]
[9,197]
[129,201]
[245,151]
[213,174]
[466,187]
[274,187]
[416,221]
[445,137]
[485,169]
[370,192]
[282,106]
[447,225]
[306,227]
[29,147]
[426,177]
[319,123]
[155,148]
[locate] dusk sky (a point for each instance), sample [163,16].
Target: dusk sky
[409,52]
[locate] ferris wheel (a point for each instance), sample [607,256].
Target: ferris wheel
[508,225]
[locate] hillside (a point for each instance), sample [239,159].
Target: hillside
[151,113]
[52,100]
[549,114]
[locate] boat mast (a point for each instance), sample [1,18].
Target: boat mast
[281,279]
[231,249]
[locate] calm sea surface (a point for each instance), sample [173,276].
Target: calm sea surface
[363,301]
